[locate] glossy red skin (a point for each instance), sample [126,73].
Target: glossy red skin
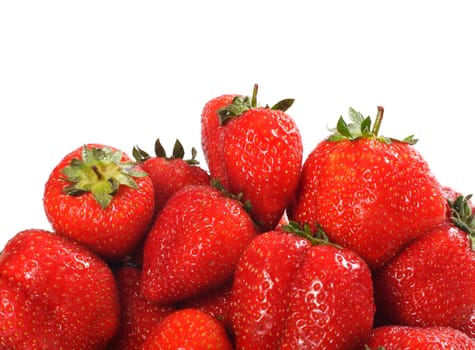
[263,160]
[56,294]
[170,175]
[188,329]
[194,244]
[431,282]
[369,196]
[289,295]
[421,338]
[138,315]
[112,232]
[215,302]
[212,136]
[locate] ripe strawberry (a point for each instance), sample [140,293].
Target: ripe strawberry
[138,315]
[420,338]
[215,302]
[369,193]
[431,282]
[194,244]
[188,329]
[55,294]
[169,174]
[294,293]
[96,196]
[259,155]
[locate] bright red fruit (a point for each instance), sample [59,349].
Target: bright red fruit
[55,294]
[138,315]
[169,174]
[369,193]
[188,329]
[431,282]
[290,294]
[420,338]
[259,155]
[98,197]
[194,244]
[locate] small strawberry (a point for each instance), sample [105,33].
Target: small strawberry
[215,302]
[188,329]
[55,294]
[370,193]
[169,174]
[138,315]
[291,292]
[194,244]
[420,338]
[259,155]
[98,197]
[431,282]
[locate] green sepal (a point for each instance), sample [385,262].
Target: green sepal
[101,172]
[463,217]
[217,184]
[316,236]
[178,152]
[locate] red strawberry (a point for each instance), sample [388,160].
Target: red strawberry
[215,302]
[290,294]
[212,136]
[420,338]
[55,294]
[194,244]
[188,329]
[169,174]
[369,193]
[96,196]
[431,282]
[138,315]
[260,156]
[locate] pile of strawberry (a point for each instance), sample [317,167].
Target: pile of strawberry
[356,247]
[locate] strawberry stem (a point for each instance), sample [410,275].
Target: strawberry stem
[254,96]
[377,122]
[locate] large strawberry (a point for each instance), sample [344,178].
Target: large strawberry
[431,282]
[55,294]
[370,193]
[188,329]
[259,154]
[291,292]
[170,173]
[194,244]
[138,316]
[420,338]
[98,197]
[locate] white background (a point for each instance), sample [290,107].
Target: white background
[124,73]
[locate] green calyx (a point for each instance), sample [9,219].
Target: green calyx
[360,127]
[178,153]
[100,172]
[463,217]
[241,104]
[316,237]
[216,183]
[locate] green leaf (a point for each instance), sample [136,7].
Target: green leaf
[283,105]
[178,150]
[159,150]
[343,129]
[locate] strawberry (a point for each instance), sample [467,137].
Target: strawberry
[291,292]
[188,329]
[215,302]
[469,326]
[55,294]
[138,316]
[98,197]
[259,155]
[369,193]
[431,282]
[169,174]
[420,338]
[194,244]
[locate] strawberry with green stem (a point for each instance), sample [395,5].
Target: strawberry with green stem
[370,193]
[256,151]
[99,197]
[170,173]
